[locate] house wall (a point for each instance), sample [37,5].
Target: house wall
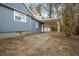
[33,26]
[8,25]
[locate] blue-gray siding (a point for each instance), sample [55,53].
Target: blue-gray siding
[33,26]
[7,23]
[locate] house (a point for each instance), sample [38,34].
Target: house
[16,19]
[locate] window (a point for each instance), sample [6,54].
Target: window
[37,26]
[19,17]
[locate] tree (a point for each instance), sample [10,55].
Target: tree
[69,19]
[77,19]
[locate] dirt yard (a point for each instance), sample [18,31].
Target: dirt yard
[41,44]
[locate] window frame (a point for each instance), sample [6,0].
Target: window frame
[21,15]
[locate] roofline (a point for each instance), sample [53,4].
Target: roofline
[28,9]
[22,12]
[31,13]
[11,8]
[6,6]
[34,18]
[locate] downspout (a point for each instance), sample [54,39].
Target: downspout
[30,24]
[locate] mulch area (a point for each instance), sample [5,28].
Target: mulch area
[43,44]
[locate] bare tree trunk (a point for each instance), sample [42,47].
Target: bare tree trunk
[50,10]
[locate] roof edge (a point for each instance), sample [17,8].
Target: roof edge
[32,14]
[28,9]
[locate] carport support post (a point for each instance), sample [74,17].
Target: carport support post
[42,28]
[58,26]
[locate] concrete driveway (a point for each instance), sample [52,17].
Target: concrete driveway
[40,44]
